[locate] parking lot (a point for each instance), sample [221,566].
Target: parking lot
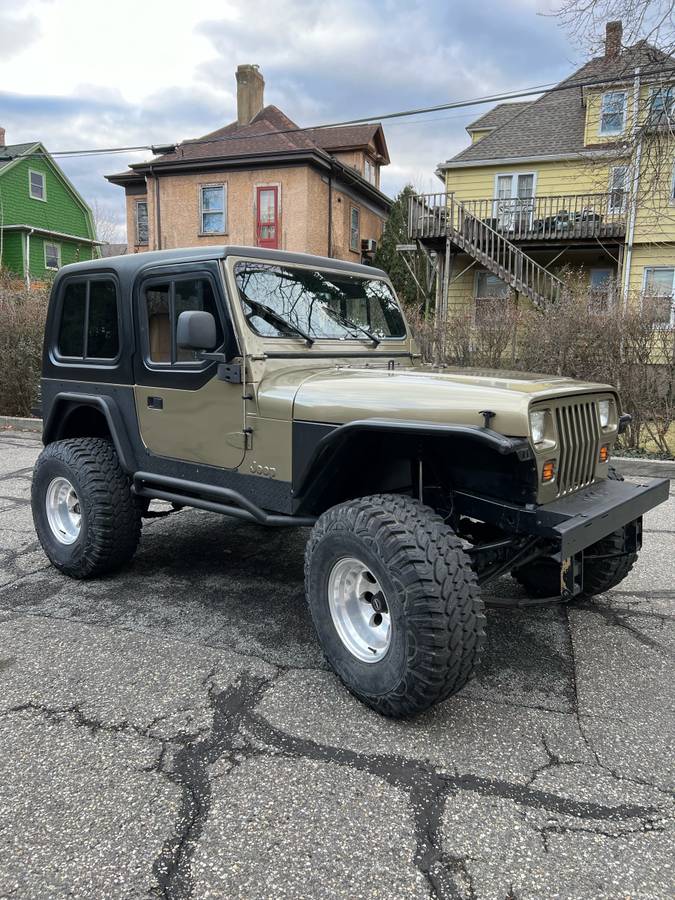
[173,731]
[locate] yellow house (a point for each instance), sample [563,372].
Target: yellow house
[581,177]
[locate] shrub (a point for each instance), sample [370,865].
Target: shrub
[22,318]
[579,336]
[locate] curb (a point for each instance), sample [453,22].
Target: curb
[21,424]
[652,468]
[626,465]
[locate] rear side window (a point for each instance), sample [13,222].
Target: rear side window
[89,329]
[164,302]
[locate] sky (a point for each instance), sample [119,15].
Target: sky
[84,74]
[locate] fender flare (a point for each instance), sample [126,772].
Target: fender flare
[65,402]
[328,446]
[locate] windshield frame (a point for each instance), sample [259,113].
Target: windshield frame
[357,339]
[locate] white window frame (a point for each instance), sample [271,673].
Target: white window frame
[354,209]
[661,89]
[611,131]
[611,189]
[42,175]
[223,187]
[371,177]
[139,242]
[645,276]
[46,244]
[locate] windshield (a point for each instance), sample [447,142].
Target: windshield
[280,301]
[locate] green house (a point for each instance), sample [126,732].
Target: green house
[44,223]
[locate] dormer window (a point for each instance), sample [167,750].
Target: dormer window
[613,112]
[369,170]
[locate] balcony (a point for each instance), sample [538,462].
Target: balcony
[562,217]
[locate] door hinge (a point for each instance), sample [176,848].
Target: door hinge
[230,372]
[242,440]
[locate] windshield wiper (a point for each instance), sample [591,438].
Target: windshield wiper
[349,324]
[272,316]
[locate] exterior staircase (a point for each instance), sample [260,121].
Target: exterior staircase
[452,220]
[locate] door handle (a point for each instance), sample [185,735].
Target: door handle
[155,403]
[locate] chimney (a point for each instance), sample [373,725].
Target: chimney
[250,91]
[2,137]
[613,35]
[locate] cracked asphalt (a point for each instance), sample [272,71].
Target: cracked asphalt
[174,732]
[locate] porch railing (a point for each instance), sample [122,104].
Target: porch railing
[557,217]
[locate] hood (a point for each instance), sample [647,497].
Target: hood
[422,394]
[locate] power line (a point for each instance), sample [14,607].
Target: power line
[550,87]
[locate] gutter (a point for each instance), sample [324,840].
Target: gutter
[574,156]
[61,234]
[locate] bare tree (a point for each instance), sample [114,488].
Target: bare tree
[108,225]
[643,20]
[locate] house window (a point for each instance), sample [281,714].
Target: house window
[36,185]
[141,221]
[52,255]
[213,209]
[672,187]
[354,229]
[600,284]
[617,188]
[369,170]
[164,302]
[661,103]
[89,323]
[658,292]
[613,112]
[488,291]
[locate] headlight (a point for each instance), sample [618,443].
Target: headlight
[603,409]
[538,425]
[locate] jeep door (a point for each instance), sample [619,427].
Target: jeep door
[184,410]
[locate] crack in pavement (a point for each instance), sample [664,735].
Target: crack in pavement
[612,617]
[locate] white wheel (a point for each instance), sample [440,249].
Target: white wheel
[359,610]
[63,510]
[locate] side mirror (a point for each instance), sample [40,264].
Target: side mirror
[196,330]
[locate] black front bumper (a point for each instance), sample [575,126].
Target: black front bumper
[574,522]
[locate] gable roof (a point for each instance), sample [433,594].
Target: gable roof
[9,153]
[497,116]
[553,125]
[270,133]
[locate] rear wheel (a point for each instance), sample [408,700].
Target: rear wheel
[85,515]
[395,602]
[605,566]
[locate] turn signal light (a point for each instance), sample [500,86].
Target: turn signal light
[604,453]
[548,471]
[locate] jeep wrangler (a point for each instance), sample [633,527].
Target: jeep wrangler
[285,390]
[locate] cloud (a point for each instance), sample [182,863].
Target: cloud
[16,32]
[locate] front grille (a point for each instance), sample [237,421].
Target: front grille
[578,435]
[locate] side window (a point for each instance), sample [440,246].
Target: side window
[88,329]
[73,312]
[613,112]
[164,302]
[354,229]
[141,222]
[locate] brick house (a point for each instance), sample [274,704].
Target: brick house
[262,181]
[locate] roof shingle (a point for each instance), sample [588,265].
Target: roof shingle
[554,123]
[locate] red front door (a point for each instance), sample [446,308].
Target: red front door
[267,217]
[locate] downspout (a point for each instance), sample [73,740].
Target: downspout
[27,260]
[158,216]
[635,184]
[330,214]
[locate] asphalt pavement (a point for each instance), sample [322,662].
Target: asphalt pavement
[173,731]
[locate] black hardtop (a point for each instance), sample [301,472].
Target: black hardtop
[129,265]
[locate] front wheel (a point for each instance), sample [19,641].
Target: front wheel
[395,602]
[85,515]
